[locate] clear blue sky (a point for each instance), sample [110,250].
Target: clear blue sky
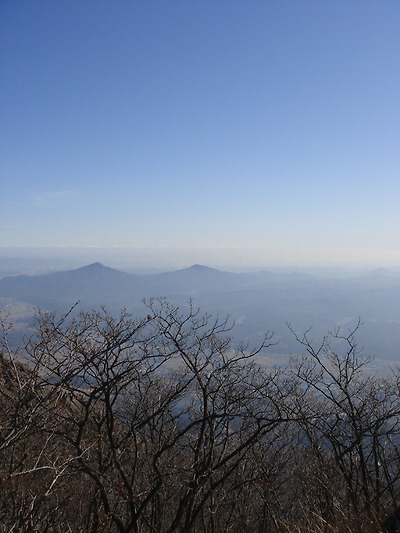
[267,127]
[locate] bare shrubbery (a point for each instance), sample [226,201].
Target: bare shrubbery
[159,425]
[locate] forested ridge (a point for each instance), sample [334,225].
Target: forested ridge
[158,424]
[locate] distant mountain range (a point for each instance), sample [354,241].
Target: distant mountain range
[257,301]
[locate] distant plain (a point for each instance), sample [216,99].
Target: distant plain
[257,301]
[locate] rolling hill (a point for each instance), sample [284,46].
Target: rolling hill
[257,301]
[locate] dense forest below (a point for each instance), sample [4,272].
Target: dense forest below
[159,424]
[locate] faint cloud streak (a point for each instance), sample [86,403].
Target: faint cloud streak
[51,197]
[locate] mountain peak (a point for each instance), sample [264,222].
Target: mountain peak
[95,266]
[200,268]
[97,269]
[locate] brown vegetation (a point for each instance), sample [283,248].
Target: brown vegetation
[158,425]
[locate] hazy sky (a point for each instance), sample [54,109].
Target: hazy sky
[266,127]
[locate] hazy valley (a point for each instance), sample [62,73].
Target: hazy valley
[256,301]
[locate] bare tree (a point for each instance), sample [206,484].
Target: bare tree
[159,424]
[29,466]
[349,421]
[156,415]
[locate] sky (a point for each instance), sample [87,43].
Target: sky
[236,131]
